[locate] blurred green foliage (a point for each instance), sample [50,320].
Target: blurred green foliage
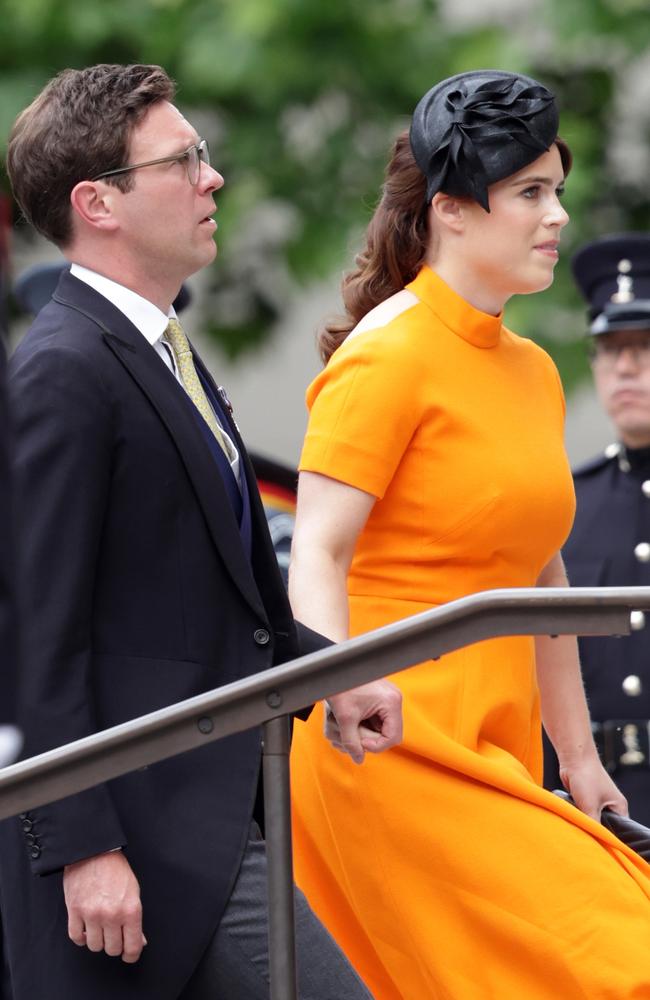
[301,98]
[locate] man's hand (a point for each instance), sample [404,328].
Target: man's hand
[367,719]
[104,910]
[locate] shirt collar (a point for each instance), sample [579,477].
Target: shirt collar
[145,316]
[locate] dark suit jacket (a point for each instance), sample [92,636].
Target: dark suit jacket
[137,593]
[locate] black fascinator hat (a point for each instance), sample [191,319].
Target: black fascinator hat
[479,127]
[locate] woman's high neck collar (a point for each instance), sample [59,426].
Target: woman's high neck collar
[476,327]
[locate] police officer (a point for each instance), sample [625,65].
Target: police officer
[610,541]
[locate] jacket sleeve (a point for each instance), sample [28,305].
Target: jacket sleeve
[63,448]
[309,642]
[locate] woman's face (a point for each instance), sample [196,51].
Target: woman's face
[513,249]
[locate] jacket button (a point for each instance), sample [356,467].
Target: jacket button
[261,636]
[645,487]
[35,852]
[642,552]
[27,825]
[632,685]
[30,838]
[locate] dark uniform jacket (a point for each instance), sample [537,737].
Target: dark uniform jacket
[141,586]
[610,546]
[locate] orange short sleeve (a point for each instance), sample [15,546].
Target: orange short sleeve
[363,410]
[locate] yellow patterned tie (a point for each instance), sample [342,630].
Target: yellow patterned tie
[181,348]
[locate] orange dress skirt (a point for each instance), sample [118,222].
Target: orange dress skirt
[442,867]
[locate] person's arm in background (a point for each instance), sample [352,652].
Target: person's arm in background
[329,519]
[566,716]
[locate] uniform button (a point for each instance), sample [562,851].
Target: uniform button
[612,450]
[632,685]
[27,825]
[262,637]
[642,551]
[30,838]
[645,488]
[23,815]
[637,621]
[35,852]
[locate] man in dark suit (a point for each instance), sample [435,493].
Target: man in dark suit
[610,541]
[146,575]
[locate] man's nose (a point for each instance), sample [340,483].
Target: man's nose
[627,358]
[209,178]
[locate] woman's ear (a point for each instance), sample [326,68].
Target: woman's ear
[447,212]
[94,203]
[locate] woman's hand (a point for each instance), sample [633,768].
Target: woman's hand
[591,788]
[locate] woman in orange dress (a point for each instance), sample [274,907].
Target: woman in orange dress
[434,467]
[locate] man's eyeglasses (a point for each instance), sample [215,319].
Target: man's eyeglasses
[605,351]
[193,157]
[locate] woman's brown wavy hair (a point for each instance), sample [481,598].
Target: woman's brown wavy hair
[397,239]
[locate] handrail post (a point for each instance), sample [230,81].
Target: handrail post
[277,823]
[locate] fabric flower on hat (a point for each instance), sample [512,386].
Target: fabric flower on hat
[480,127]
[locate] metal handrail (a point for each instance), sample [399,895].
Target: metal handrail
[267,698]
[285,689]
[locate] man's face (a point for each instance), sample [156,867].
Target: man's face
[165,220]
[621,367]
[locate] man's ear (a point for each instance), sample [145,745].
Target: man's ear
[94,203]
[447,212]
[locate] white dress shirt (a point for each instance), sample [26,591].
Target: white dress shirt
[152,323]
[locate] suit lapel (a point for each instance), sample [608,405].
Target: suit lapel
[159,386]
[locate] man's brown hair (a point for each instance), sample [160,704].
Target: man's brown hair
[79,126]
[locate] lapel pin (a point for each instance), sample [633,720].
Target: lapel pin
[224,395]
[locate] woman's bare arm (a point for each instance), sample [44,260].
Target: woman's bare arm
[566,716]
[330,518]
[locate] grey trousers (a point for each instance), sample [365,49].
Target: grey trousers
[235,965]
